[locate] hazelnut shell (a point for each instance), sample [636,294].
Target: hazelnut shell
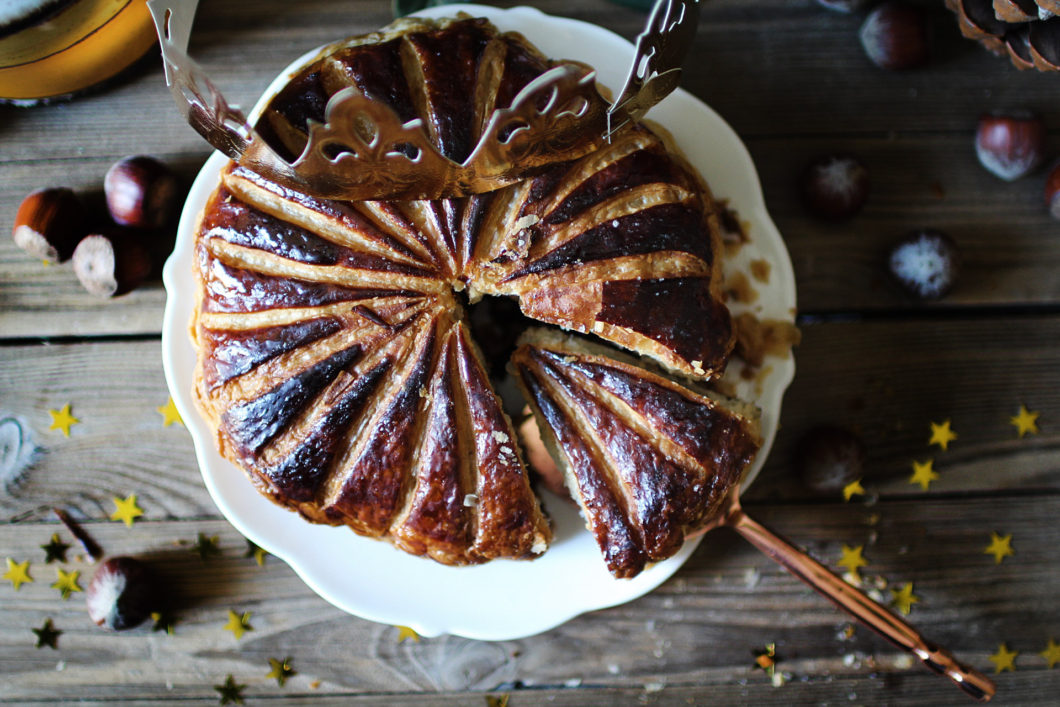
[1010,146]
[50,223]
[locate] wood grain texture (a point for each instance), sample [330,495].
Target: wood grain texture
[693,636]
[791,78]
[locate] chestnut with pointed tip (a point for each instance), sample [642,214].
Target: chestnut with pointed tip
[50,223]
[896,36]
[122,594]
[141,192]
[1011,145]
[111,265]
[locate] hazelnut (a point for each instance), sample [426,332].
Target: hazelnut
[141,192]
[122,594]
[896,36]
[829,458]
[1052,192]
[49,223]
[1010,146]
[835,187]
[925,264]
[111,265]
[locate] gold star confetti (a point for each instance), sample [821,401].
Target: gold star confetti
[256,552]
[281,670]
[55,550]
[169,413]
[1000,547]
[903,599]
[164,621]
[923,474]
[62,420]
[942,435]
[18,573]
[406,632]
[67,582]
[1026,422]
[854,488]
[238,624]
[126,511]
[766,658]
[1004,659]
[47,635]
[1051,653]
[206,547]
[851,559]
[231,693]
[497,700]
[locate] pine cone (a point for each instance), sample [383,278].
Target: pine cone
[1027,30]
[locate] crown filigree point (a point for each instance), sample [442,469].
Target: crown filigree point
[362,149]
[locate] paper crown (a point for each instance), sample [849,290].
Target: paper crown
[363,150]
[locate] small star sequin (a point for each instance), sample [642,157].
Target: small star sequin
[406,632]
[942,435]
[923,474]
[497,700]
[281,670]
[766,658]
[163,621]
[903,599]
[1026,422]
[67,582]
[230,692]
[62,420]
[1004,659]
[169,413]
[1051,653]
[206,547]
[47,635]
[854,488]
[851,559]
[17,573]
[256,552]
[238,624]
[126,510]
[1000,547]
[55,550]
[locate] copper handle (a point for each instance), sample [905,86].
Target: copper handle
[864,609]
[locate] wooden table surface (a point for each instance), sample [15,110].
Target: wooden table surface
[792,80]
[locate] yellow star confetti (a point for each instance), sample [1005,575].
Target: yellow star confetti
[497,700]
[17,573]
[923,474]
[126,511]
[1000,547]
[903,599]
[281,670]
[1026,422]
[854,488]
[942,435]
[238,624]
[1004,659]
[62,420]
[406,632]
[169,413]
[67,582]
[1051,653]
[851,559]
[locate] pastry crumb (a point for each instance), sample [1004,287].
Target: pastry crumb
[470,500]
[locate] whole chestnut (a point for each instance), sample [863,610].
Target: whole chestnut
[829,457]
[49,224]
[112,264]
[896,36]
[835,187]
[1010,146]
[141,192]
[925,263]
[122,594]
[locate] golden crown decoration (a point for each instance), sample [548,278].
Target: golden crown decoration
[363,150]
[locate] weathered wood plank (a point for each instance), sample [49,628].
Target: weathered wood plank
[784,74]
[693,635]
